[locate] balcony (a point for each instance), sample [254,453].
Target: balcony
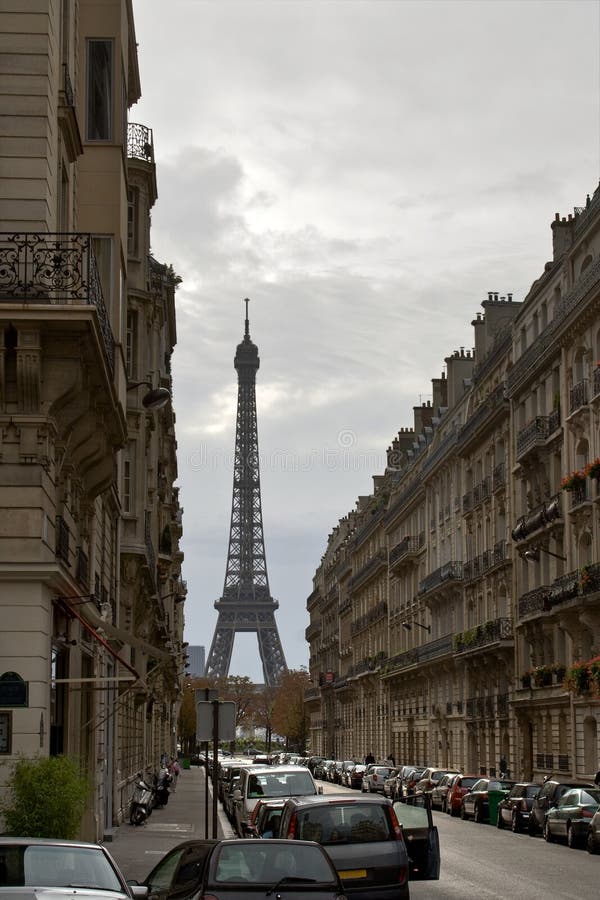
[423,654]
[538,518]
[532,437]
[53,270]
[499,476]
[450,571]
[369,570]
[312,693]
[139,142]
[578,396]
[534,602]
[482,636]
[407,548]
[312,631]
[374,615]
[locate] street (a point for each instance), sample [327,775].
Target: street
[479,861]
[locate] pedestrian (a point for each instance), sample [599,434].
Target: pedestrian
[174,770]
[369,758]
[390,759]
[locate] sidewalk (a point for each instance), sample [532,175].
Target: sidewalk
[136,849]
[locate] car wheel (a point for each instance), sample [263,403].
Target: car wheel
[572,838]
[548,836]
[463,813]
[531,827]
[591,842]
[500,823]
[444,806]
[515,822]
[477,814]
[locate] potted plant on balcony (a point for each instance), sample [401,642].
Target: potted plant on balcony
[542,676]
[574,481]
[526,680]
[592,470]
[578,678]
[559,672]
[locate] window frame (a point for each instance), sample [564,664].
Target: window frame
[91,120]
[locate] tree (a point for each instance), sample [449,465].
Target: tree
[289,712]
[263,712]
[186,723]
[46,798]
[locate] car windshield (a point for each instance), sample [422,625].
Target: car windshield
[282,784]
[339,823]
[267,862]
[59,866]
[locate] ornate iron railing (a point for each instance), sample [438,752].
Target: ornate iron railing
[482,635]
[369,570]
[405,548]
[56,269]
[499,476]
[67,86]
[553,421]
[534,601]
[578,395]
[140,144]
[426,652]
[62,539]
[450,571]
[532,435]
[373,615]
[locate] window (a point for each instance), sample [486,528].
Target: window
[131,362]
[5,733]
[132,217]
[99,90]
[129,479]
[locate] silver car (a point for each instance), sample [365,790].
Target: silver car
[60,869]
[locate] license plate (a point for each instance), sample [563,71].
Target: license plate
[353,873]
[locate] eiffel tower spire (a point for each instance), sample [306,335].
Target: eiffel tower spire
[246,604]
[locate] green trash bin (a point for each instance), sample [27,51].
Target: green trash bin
[494,798]
[185,763]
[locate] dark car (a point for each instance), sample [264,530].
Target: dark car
[264,822]
[439,792]
[362,837]
[461,785]
[571,817]
[244,868]
[513,811]
[475,804]
[32,867]
[355,777]
[430,778]
[548,797]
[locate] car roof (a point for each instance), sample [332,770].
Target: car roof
[339,799]
[48,842]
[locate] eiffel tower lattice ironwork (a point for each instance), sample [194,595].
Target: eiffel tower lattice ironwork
[246,604]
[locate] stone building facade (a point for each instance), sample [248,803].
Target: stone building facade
[455,609]
[91,594]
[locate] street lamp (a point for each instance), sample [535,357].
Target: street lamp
[533,554]
[156,398]
[408,626]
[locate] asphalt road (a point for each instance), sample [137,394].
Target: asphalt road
[479,862]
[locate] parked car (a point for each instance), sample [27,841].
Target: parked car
[389,784]
[408,779]
[264,821]
[268,782]
[475,804]
[332,771]
[548,797]
[346,772]
[571,817]
[340,772]
[421,835]
[374,777]
[320,769]
[362,837]
[430,778]
[439,792]
[593,834]
[461,785]
[242,869]
[355,777]
[53,868]
[513,811]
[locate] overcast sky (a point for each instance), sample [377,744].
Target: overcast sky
[365,172]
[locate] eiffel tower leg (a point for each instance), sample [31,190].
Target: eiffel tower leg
[271,652]
[219,657]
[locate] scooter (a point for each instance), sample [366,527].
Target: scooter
[141,801]
[161,787]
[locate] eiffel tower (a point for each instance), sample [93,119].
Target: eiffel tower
[246,604]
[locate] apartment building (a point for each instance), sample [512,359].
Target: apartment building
[91,611]
[467,584]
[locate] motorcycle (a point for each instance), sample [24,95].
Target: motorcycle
[161,787]
[141,801]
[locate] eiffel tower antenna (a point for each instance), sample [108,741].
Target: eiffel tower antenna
[246,604]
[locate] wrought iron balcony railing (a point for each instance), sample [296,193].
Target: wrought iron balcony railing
[499,476]
[62,539]
[483,635]
[578,396]
[140,144]
[407,548]
[533,435]
[55,269]
[450,571]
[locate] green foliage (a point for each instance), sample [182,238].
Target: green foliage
[45,798]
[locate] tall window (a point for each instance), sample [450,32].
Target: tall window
[99,90]
[131,345]
[129,478]
[132,202]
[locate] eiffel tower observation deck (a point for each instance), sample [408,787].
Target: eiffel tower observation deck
[246,604]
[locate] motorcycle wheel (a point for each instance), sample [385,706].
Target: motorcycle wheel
[138,816]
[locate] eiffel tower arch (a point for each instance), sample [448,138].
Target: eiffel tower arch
[246,604]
